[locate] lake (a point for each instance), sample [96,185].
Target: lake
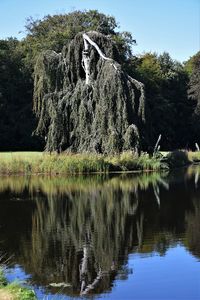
[122,236]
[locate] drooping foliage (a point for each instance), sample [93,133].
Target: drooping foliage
[106,116]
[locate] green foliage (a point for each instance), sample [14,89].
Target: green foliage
[194,84]
[168,108]
[54,32]
[194,94]
[149,69]
[190,64]
[3,280]
[19,292]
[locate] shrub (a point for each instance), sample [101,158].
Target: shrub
[177,159]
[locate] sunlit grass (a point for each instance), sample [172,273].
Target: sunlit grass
[44,163]
[194,156]
[14,290]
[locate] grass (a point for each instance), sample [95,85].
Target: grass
[43,163]
[194,156]
[14,290]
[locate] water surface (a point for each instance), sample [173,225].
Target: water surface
[111,237]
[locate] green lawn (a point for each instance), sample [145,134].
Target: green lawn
[19,155]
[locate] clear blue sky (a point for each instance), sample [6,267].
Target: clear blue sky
[157,25]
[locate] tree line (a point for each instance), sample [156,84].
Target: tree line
[172,88]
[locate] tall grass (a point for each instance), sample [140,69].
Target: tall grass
[44,163]
[128,161]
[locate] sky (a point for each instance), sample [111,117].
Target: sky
[157,25]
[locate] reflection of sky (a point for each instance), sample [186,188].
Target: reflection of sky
[17,275]
[173,276]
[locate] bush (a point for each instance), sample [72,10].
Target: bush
[177,159]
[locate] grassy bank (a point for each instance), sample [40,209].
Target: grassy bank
[28,163]
[44,163]
[14,291]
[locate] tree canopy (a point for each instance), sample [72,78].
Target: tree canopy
[54,32]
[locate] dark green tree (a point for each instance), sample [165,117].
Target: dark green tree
[169,109]
[16,118]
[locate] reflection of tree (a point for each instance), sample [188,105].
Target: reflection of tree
[81,237]
[193,228]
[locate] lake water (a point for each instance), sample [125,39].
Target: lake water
[104,237]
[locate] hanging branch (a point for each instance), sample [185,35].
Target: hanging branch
[86,61]
[84,268]
[86,38]
[86,57]
[93,284]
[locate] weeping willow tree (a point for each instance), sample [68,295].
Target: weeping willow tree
[84,100]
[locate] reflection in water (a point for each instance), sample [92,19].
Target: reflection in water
[193,217]
[193,228]
[78,232]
